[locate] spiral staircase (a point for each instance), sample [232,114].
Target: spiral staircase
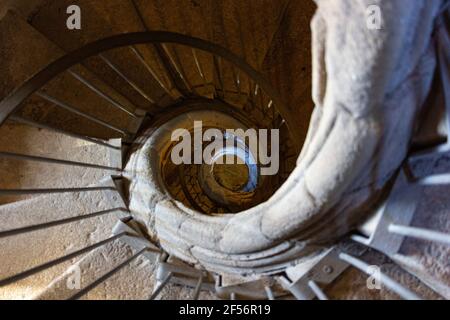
[77,113]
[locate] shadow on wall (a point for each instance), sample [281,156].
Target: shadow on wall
[12,139]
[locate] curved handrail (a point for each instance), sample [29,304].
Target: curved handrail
[12,102]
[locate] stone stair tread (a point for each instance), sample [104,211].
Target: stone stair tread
[29,140]
[117,17]
[246,28]
[135,281]
[25,174]
[288,62]
[353,284]
[52,207]
[429,261]
[134,278]
[20,37]
[42,246]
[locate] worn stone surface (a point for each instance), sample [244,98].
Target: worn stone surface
[135,281]
[93,266]
[19,39]
[429,261]
[23,174]
[102,19]
[237,26]
[24,7]
[43,245]
[246,28]
[288,62]
[352,284]
[13,31]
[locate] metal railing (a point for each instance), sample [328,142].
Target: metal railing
[259,95]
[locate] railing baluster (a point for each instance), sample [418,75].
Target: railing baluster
[420,233]
[17,156]
[106,276]
[317,291]
[174,60]
[270,107]
[151,71]
[70,134]
[269,293]
[434,180]
[158,290]
[127,80]
[12,192]
[101,93]
[387,281]
[80,113]
[13,232]
[273,113]
[217,67]
[47,265]
[158,50]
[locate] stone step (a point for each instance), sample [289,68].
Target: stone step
[429,261]
[245,29]
[421,208]
[134,281]
[41,229]
[288,64]
[23,139]
[353,284]
[20,38]
[101,19]
[100,278]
